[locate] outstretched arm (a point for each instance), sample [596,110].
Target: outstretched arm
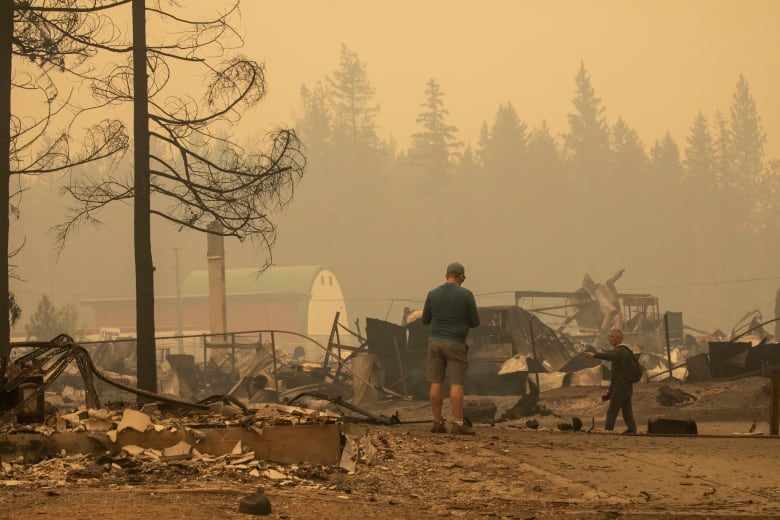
[608,356]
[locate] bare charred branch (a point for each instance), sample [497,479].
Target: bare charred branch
[93,195]
[63,33]
[101,141]
[59,35]
[198,175]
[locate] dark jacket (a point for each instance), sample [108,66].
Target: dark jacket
[619,356]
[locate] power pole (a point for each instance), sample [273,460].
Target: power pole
[179,327]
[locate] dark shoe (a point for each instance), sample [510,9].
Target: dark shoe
[438,427]
[462,429]
[629,432]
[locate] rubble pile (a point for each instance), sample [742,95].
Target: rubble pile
[183,462]
[133,466]
[112,420]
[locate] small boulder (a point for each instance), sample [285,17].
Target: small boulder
[255,504]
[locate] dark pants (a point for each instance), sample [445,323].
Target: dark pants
[620,400]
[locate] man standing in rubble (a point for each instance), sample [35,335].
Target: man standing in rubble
[621,389]
[451,311]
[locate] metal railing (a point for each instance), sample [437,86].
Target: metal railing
[201,346]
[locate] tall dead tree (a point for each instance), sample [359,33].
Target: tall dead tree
[187,169]
[6,30]
[144,268]
[38,41]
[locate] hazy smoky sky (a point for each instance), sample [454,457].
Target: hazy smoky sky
[655,64]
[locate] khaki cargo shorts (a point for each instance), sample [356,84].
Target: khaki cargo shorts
[449,358]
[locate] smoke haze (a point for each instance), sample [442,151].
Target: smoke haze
[654,64]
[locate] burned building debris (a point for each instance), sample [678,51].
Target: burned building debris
[543,333]
[281,404]
[505,332]
[158,425]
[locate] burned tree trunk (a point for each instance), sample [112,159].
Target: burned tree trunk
[144,268]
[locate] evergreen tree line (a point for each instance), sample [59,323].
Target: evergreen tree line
[705,206]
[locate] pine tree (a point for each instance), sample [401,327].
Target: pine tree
[666,172]
[700,155]
[665,163]
[748,139]
[766,207]
[748,136]
[505,149]
[469,180]
[668,203]
[700,191]
[434,147]
[543,155]
[48,321]
[628,168]
[543,181]
[483,143]
[468,167]
[502,153]
[313,126]
[629,159]
[587,143]
[352,105]
[724,153]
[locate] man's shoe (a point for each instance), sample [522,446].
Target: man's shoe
[438,427]
[462,429]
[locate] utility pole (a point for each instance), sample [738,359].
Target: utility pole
[215,253]
[179,327]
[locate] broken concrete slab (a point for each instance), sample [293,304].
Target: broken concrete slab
[133,419]
[177,450]
[314,443]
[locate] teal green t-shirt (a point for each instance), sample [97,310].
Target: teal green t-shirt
[451,311]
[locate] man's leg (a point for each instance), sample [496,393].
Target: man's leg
[435,367]
[457,364]
[615,402]
[456,400]
[436,399]
[628,415]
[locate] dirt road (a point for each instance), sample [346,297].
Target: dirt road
[504,471]
[499,473]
